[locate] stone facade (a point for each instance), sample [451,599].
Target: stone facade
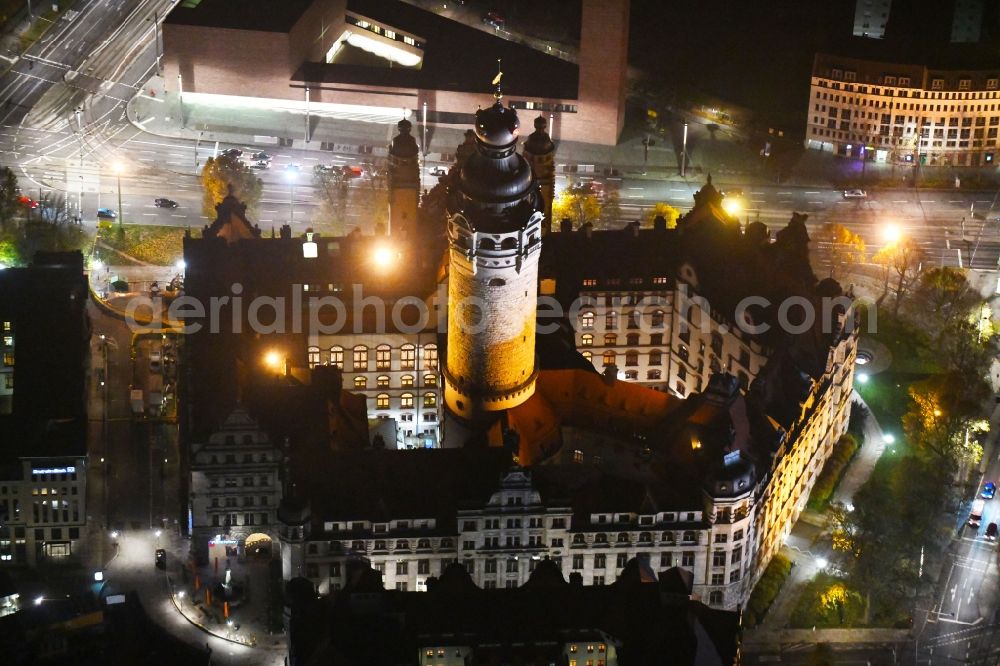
[235,487]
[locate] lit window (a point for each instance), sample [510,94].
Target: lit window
[577,456]
[587,355]
[656,320]
[587,320]
[406,400]
[587,340]
[430,399]
[337,357]
[430,357]
[609,358]
[313,356]
[610,339]
[590,282]
[407,357]
[430,380]
[360,358]
[360,382]
[8,341]
[382,381]
[383,357]
[406,381]
[8,359]
[382,401]
[611,321]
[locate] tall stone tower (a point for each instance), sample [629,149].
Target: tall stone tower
[603,67]
[404,180]
[495,238]
[540,153]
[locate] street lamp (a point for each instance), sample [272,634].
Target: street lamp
[118,167]
[384,257]
[892,233]
[291,175]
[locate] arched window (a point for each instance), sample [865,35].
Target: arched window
[406,400]
[430,380]
[430,400]
[587,340]
[578,539]
[610,339]
[645,537]
[360,383]
[609,358]
[587,355]
[337,356]
[632,319]
[402,544]
[656,357]
[382,381]
[407,357]
[654,375]
[406,381]
[587,321]
[632,339]
[715,598]
[682,351]
[382,401]
[601,538]
[383,357]
[689,537]
[717,344]
[424,543]
[622,537]
[509,243]
[656,319]
[360,358]
[430,357]
[313,356]
[631,357]
[668,538]
[487,244]
[611,321]
[714,364]
[496,282]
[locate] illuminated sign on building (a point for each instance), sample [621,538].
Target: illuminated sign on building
[55,470]
[223,542]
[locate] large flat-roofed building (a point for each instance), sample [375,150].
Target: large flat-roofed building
[372,61]
[891,112]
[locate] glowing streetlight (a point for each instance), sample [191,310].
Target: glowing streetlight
[732,206]
[863,377]
[158,533]
[272,359]
[821,562]
[118,168]
[180,265]
[889,438]
[891,233]
[39,600]
[384,257]
[114,534]
[96,264]
[937,412]
[180,595]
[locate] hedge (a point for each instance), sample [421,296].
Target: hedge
[826,483]
[767,589]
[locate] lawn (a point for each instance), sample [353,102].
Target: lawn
[161,246]
[887,395]
[767,589]
[43,21]
[826,483]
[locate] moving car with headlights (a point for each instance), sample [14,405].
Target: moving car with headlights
[163,202]
[976,515]
[989,490]
[855,194]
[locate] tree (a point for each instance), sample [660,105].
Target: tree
[577,203]
[944,419]
[333,190]
[222,172]
[8,198]
[611,211]
[941,297]
[901,264]
[372,194]
[668,212]
[843,248]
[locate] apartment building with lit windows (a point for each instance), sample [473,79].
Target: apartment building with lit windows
[903,113]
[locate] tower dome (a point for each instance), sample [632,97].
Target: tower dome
[540,153]
[404,180]
[497,127]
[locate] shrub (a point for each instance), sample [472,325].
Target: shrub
[826,483]
[767,589]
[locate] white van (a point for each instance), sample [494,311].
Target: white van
[976,515]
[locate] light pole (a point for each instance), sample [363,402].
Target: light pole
[291,174]
[684,152]
[118,168]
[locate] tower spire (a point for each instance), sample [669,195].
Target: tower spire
[496,81]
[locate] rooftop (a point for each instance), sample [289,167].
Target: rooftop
[262,15]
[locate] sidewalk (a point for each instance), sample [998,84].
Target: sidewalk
[861,467]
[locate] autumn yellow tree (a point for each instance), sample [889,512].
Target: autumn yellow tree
[577,203]
[668,212]
[841,248]
[901,262]
[222,172]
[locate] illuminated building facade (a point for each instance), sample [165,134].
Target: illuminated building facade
[888,112]
[368,60]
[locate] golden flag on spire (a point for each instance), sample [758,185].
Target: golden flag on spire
[496,79]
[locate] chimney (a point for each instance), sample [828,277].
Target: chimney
[566,225]
[660,223]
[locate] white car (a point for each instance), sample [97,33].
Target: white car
[855,194]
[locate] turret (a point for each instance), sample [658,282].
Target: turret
[495,215]
[404,180]
[540,153]
[294,528]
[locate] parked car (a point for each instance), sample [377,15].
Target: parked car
[164,203]
[855,194]
[232,152]
[106,214]
[991,532]
[439,171]
[261,165]
[494,20]
[352,171]
[989,490]
[161,558]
